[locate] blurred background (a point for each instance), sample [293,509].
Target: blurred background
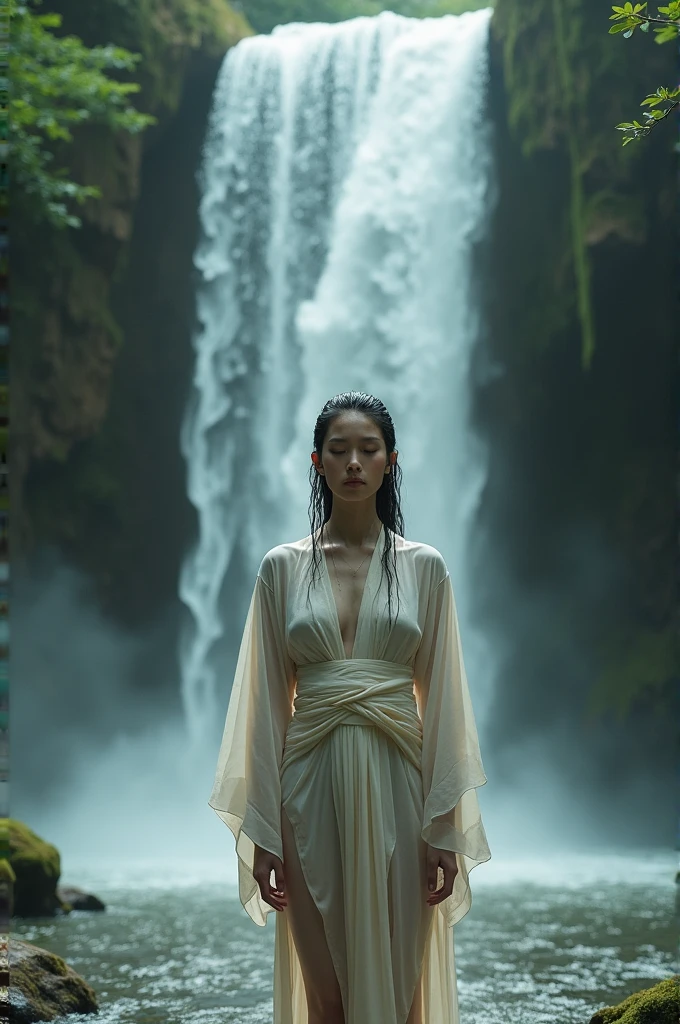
[273,202]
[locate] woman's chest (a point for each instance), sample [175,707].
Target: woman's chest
[359,621]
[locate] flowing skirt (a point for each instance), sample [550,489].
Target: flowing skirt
[355,802]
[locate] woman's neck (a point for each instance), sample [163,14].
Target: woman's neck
[354,528]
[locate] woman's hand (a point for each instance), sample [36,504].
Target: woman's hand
[446,860]
[263,865]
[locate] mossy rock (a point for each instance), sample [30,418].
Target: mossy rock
[7,880]
[43,986]
[6,871]
[36,865]
[657,1005]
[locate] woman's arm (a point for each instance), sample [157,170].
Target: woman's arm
[451,760]
[246,792]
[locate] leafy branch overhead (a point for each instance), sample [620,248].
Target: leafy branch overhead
[665,28]
[58,83]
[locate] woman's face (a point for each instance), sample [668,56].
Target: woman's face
[354,449]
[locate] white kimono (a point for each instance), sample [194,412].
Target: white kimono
[373,757]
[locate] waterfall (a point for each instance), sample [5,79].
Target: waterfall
[345,182]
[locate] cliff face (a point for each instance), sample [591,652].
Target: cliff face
[101,316]
[583,412]
[567,83]
[584,315]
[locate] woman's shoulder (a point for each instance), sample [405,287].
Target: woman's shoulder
[281,558]
[428,560]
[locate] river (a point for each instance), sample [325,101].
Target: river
[547,941]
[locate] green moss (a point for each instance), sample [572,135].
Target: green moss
[47,983]
[610,213]
[657,1005]
[264,15]
[576,200]
[6,871]
[568,84]
[37,866]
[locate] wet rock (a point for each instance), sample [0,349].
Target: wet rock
[43,986]
[36,866]
[657,1005]
[7,880]
[77,899]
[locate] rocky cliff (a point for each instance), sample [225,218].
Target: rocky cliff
[579,290]
[101,316]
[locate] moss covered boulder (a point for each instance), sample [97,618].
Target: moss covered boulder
[43,986]
[657,1005]
[36,865]
[7,880]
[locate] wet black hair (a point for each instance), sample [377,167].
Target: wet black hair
[387,499]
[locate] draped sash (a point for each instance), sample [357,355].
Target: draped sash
[354,691]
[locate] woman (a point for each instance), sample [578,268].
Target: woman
[350,756]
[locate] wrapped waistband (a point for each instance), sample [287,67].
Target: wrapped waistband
[352,670]
[354,691]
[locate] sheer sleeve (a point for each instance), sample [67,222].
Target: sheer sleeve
[247,792]
[451,760]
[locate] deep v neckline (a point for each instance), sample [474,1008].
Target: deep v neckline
[330,593]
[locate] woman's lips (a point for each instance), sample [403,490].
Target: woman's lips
[354,483]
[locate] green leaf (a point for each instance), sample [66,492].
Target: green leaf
[667,33]
[57,82]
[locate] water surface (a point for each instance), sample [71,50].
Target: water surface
[547,941]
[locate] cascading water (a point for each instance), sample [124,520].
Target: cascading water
[346,180]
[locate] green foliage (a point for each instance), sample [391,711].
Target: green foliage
[635,130]
[264,15]
[58,83]
[165,32]
[628,18]
[667,28]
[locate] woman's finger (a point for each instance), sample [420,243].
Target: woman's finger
[450,871]
[274,897]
